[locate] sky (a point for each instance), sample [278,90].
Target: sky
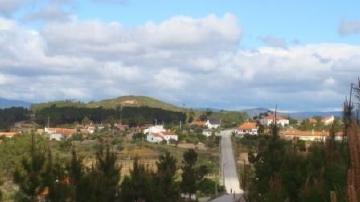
[229,54]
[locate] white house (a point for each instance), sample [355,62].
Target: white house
[56,136]
[247,128]
[328,120]
[207,133]
[268,120]
[308,135]
[213,123]
[155,129]
[59,133]
[154,138]
[161,136]
[158,133]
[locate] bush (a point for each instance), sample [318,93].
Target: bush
[208,186]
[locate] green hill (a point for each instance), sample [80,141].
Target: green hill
[133,101]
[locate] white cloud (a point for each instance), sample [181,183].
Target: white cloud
[7,7]
[349,27]
[274,41]
[196,61]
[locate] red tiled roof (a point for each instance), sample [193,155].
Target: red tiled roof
[247,126]
[272,117]
[295,132]
[198,123]
[63,131]
[8,134]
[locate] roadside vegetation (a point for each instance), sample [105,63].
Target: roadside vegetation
[35,168]
[273,169]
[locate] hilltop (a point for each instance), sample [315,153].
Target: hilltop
[124,101]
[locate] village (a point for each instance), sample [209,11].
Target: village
[305,130]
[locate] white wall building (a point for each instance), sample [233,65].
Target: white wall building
[207,133]
[213,123]
[161,136]
[155,129]
[154,138]
[157,134]
[328,120]
[56,136]
[268,120]
[247,128]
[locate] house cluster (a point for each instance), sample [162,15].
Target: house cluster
[8,134]
[325,120]
[209,123]
[59,134]
[251,128]
[269,119]
[312,135]
[158,134]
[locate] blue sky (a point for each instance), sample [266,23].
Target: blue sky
[301,55]
[306,21]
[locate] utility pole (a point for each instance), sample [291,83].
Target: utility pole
[120,114]
[48,122]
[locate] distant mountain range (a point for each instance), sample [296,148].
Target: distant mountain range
[6,103]
[255,111]
[296,115]
[302,115]
[137,101]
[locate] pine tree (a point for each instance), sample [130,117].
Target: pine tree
[139,186]
[75,174]
[191,176]
[101,182]
[109,171]
[28,177]
[56,181]
[165,177]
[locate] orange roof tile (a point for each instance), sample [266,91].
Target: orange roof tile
[8,134]
[247,126]
[272,117]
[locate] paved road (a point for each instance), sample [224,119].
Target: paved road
[229,177]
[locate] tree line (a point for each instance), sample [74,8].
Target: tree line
[41,176]
[129,115]
[9,116]
[283,171]
[323,171]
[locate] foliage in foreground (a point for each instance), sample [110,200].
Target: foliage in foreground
[283,172]
[42,176]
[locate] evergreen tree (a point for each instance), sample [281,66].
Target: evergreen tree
[191,176]
[139,186]
[28,177]
[75,174]
[101,182]
[165,177]
[109,171]
[56,181]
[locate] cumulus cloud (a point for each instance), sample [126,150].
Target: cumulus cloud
[349,27]
[7,7]
[274,41]
[105,40]
[50,11]
[196,61]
